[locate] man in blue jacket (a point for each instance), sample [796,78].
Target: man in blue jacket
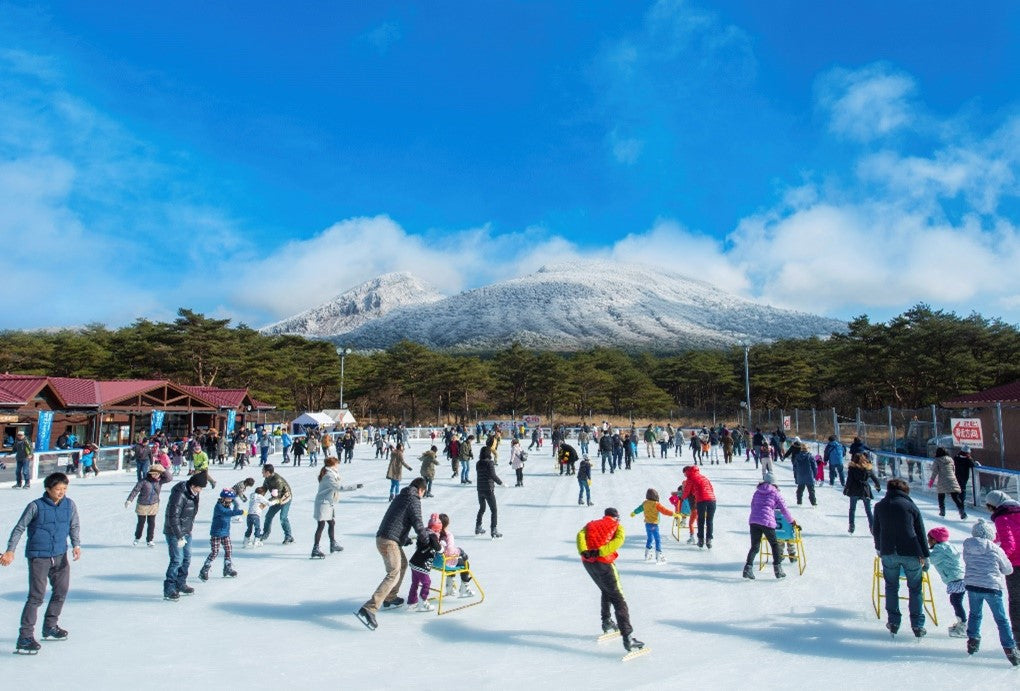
[50,521]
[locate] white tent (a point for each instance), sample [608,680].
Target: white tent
[313,419]
[342,417]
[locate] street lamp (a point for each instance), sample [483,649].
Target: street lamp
[343,353]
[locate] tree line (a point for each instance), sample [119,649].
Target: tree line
[920,357]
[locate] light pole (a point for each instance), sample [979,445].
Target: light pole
[747,386]
[343,353]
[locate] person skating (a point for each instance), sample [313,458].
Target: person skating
[859,474]
[651,508]
[804,471]
[421,566]
[1006,517]
[597,543]
[466,454]
[147,491]
[395,470]
[50,522]
[948,561]
[182,506]
[568,458]
[584,481]
[943,478]
[403,513]
[325,505]
[900,540]
[518,457]
[278,489]
[429,463]
[256,505]
[219,535]
[486,485]
[766,501]
[700,489]
[985,564]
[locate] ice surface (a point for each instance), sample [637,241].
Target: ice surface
[286,621]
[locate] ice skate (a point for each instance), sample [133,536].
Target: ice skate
[27,646]
[648,555]
[479,530]
[317,553]
[395,602]
[959,629]
[973,644]
[424,606]
[367,618]
[54,633]
[1013,655]
[496,534]
[335,547]
[748,572]
[660,558]
[451,587]
[465,590]
[203,575]
[778,568]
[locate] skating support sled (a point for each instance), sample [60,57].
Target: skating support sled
[789,538]
[447,571]
[878,592]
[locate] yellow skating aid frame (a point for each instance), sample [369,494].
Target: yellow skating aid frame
[878,592]
[445,572]
[788,537]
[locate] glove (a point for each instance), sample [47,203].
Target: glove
[590,554]
[359,485]
[181,543]
[408,541]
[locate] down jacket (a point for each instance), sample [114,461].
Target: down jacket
[943,475]
[804,468]
[404,513]
[898,528]
[697,485]
[764,504]
[1006,518]
[180,511]
[985,563]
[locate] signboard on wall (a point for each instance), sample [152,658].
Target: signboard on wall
[967,430]
[787,423]
[532,420]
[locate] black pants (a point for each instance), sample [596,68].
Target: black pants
[770,534]
[57,571]
[1013,589]
[607,578]
[486,497]
[318,531]
[706,517]
[810,494]
[142,521]
[520,476]
[957,499]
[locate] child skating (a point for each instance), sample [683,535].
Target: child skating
[986,564]
[948,561]
[421,566]
[453,556]
[651,509]
[219,534]
[256,505]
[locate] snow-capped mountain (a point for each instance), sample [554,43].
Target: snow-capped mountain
[364,303]
[575,307]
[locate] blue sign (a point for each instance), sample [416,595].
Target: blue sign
[231,419]
[42,438]
[157,421]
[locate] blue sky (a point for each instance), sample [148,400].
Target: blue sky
[254,159]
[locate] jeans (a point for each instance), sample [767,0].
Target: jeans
[283,510]
[263,455]
[254,526]
[867,511]
[607,457]
[465,471]
[892,564]
[23,469]
[834,469]
[286,454]
[56,570]
[180,560]
[652,536]
[956,600]
[584,448]
[975,599]
[394,488]
[706,517]
[617,459]
[142,469]
[584,492]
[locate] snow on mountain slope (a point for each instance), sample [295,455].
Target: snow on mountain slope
[574,307]
[349,310]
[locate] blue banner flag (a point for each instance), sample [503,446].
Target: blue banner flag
[42,439]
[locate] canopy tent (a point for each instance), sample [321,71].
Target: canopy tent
[342,417]
[308,419]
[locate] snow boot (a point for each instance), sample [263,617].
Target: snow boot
[335,547]
[959,629]
[27,646]
[973,644]
[748,572]
[779,571]
[317,553]
[54,633]
[203,575]
[1013,655]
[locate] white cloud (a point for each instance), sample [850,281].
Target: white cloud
[867,103]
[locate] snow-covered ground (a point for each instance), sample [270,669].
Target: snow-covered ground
[287,621]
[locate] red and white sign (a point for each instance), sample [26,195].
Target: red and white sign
[787,423]
[532,420]
[967,430]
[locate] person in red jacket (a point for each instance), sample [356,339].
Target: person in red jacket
[597,543]
[700,489]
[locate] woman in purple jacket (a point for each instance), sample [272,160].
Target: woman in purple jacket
[766,501]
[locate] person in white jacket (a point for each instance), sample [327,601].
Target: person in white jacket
[325,505]
[517,458]
[985,566]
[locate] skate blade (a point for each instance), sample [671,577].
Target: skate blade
[367,624]
[636,653]
[608,636]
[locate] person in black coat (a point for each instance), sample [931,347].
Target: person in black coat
[404,513]
[859,473]
[178,523]
[486,480]
[901,541]
[963,465]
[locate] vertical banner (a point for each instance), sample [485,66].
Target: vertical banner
[787,423]
[156,422]
[231,420]
[42,438]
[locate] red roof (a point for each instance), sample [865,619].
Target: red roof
[1006,393]
[222,398]
[116,390]
[19,389]
[77,393]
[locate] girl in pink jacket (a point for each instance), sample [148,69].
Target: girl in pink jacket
[454,556]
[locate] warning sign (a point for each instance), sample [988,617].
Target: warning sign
[787,423]
[967,430]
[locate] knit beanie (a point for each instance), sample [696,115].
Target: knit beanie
[983,529]
[435,524]
[769,478]
[940,534]
[995,498]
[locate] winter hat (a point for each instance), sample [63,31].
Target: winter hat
[611,512]
[198,480]
[965,449]
[156,469]
[228,494]
[995,498]
[769,478]
[939,534]
[435,524]
[983,529]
